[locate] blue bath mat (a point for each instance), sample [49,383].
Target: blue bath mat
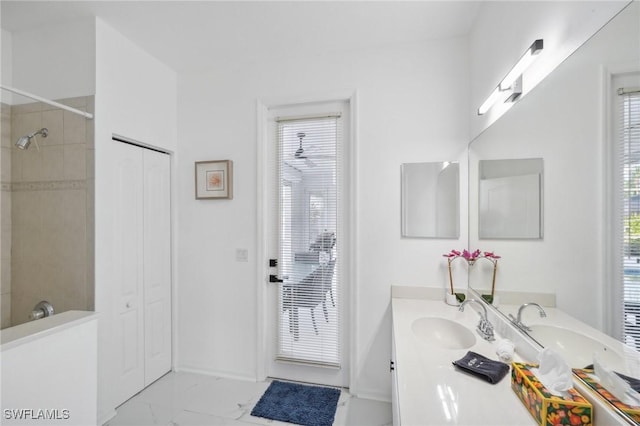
[296,403]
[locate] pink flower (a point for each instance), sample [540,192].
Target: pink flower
[453,253]
[491,255]
[471,257]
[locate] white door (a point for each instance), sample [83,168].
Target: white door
[157,264]
[127,271]
[306,311]
[142,267]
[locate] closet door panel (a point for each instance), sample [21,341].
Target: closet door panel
[157,264]
[127,271]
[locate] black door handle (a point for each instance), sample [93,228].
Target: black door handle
[275,279]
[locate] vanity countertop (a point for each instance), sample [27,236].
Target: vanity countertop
[430,389]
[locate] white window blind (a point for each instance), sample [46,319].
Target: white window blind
[309,154]
[629,146]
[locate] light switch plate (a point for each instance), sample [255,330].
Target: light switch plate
[242,255]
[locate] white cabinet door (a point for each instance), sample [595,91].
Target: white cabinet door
[157,264]
[127,270]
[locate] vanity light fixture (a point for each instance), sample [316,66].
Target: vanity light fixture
[494,97]
[510,88]
[523,63]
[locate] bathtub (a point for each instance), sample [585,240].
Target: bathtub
[49,371]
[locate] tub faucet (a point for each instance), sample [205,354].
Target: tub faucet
[41,310]
[484,329]
[518,320]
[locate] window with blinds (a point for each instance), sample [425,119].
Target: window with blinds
[309,323]
[629,148]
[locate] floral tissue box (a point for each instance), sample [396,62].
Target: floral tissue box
[548,409]
[586,377]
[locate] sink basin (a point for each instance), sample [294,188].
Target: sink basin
[444,333]
[576,348]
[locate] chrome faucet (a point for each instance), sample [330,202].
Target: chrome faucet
[41,310]
[484,329]
[518,320]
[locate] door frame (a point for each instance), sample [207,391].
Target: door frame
[350,178]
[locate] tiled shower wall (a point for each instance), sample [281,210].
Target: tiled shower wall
[51,221]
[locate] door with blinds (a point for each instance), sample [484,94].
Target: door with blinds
[306,295]
[627,168]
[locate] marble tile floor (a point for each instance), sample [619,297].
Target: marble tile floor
[186,399]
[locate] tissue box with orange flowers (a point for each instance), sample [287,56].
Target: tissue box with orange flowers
[548,409]
[586,376]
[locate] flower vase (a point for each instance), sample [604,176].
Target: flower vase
[451,297]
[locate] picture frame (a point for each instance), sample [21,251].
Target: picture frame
[214,180]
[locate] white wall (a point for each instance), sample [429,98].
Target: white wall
[55,62]
[135,98]
[503,31]
[562,122]
[410,107]
[6,65]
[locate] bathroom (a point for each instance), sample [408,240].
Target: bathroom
[414,100]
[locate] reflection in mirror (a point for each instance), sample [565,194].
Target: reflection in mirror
[431,200]
[510,198]
[568,120]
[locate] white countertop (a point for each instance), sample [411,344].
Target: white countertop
[430,389]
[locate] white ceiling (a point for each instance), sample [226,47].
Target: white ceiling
[191,35]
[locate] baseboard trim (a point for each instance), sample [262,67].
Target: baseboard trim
[215,373]
[372,395]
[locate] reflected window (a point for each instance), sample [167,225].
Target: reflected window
[628,120]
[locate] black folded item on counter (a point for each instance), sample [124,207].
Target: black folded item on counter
[482,367]
[633,382]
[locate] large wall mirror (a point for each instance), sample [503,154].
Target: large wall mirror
[431,199]
[566,121]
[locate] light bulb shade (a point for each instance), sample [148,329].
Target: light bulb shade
[495,97]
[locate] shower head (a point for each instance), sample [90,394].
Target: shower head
[25,141]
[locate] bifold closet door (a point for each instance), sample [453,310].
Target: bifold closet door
[128,269]
[142,266]
[157,264]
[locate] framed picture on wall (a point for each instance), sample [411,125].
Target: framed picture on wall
[214,180]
